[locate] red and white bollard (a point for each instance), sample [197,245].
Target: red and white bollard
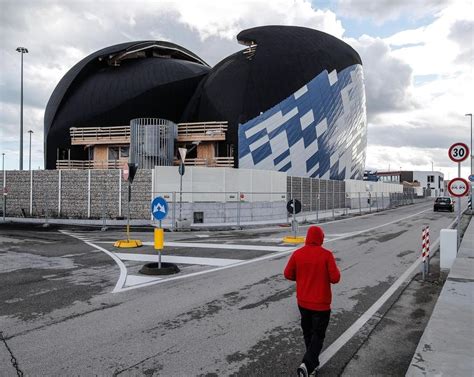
[425,251]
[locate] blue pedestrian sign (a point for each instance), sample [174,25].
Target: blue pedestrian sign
[159,208]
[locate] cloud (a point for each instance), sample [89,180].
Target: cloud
[225,19]
[413,137]
[58,34]
[385,10]
[387,78]
[462,33]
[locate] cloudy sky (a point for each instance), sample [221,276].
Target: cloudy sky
[418,58]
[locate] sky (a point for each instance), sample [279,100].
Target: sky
[417,55]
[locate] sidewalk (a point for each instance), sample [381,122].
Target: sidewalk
[447,345]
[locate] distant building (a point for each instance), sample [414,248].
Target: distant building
[371,176]
[431,183]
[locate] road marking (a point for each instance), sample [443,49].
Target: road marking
[223,246]
[201,245]
[178,259]
[357,325]
[180,277]
[123,271]
[134,280]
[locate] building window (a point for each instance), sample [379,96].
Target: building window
[113,153]
[431,179]
[124,152]
[116,153]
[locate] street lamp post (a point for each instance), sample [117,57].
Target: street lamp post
[29,158]
[21,50]
[471,155]
[31,177]
[4,186]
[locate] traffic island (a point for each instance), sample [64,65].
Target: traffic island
[127,244]
[165,269]
[293,240]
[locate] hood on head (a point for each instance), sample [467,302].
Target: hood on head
[315,236]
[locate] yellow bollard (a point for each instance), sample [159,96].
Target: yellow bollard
[159,238]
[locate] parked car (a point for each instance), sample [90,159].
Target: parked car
[443,203]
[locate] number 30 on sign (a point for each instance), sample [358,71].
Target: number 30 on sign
[458,152]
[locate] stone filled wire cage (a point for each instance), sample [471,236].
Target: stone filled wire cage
[152,142]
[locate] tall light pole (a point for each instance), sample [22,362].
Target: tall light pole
[21,50]
[471,154]
[29,159]
[4,186]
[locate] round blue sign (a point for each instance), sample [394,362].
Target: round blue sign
[159,208]
[471,177]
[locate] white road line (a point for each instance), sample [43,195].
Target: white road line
[178,259]
[223,246]
[200,245]
[134,280]
[357,325]
[120,287]
[180,277]
[123,269]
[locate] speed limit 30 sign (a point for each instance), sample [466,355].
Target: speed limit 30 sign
[458,187]
[458,152]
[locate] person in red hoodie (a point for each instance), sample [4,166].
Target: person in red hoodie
[314,269]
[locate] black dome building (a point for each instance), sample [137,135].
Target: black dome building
[119,83]
[279,60]
[294,99]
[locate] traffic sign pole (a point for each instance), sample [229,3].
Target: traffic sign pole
[458,152]
[459,210]
[159,210]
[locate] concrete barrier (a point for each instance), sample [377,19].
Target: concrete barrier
[448,248]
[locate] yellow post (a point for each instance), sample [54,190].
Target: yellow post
[159,241]
[159,238]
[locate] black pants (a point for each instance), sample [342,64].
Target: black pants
[314,324]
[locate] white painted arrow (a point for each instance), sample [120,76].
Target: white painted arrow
[159,208]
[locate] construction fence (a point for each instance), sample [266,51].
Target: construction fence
[103,194]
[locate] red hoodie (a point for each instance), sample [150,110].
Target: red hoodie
[314,269]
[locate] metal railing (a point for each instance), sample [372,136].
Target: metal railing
[89,164]
[202,131]
[218,162]
[99,135]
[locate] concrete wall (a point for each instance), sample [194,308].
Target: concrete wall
[234,212]
[362,194]
[202,184]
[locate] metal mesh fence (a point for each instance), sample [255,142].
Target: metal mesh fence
[103,194]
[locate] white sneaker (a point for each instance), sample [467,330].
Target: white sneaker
[302,371]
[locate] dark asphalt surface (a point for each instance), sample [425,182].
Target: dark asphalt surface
[59,316]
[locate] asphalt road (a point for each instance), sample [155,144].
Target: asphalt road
[72,304]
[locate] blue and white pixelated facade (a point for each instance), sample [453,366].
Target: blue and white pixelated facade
[320,131]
